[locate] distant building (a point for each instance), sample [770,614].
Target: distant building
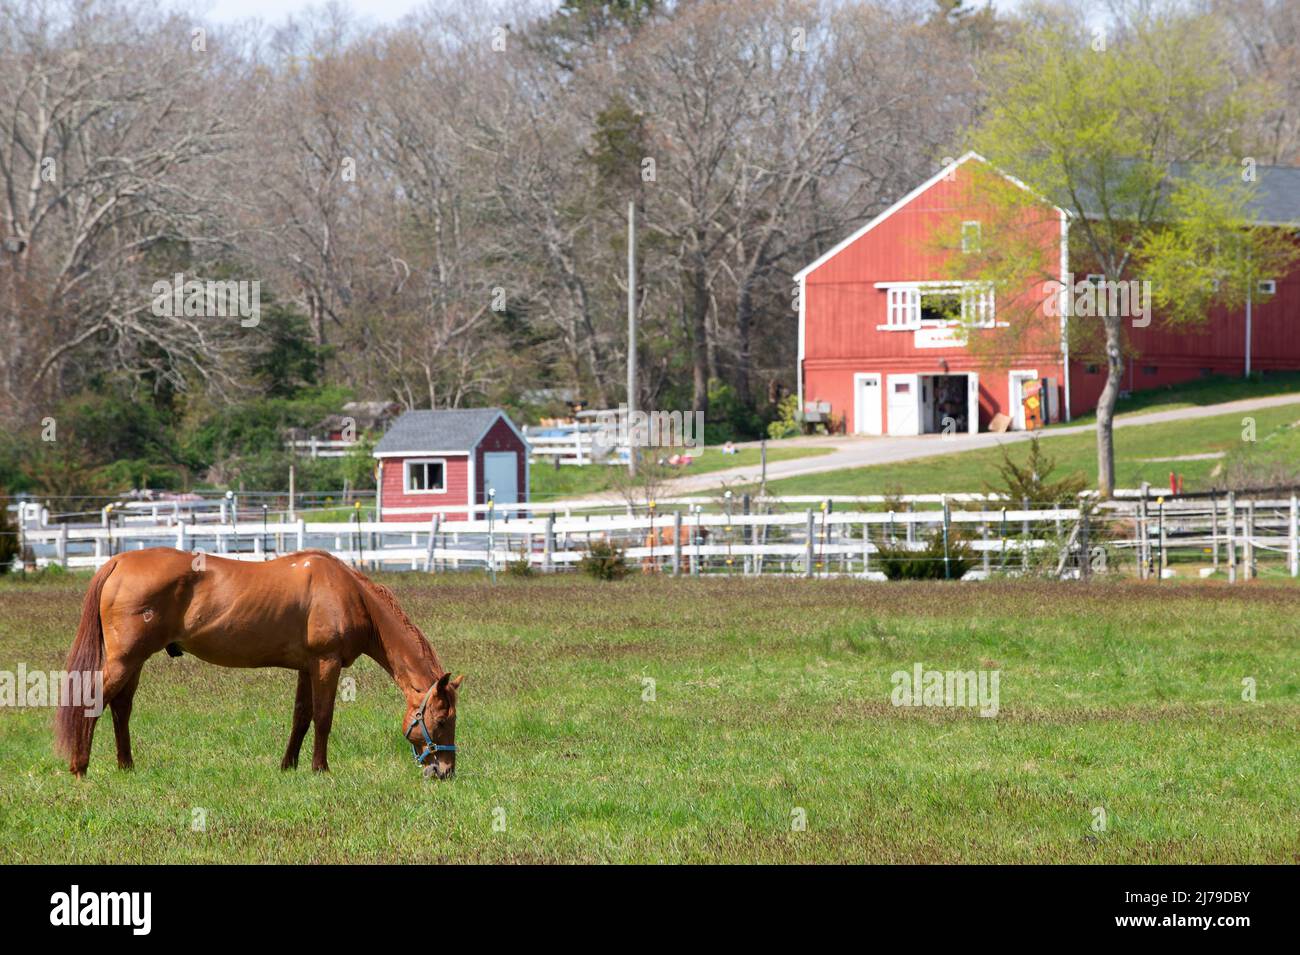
[439,460]
[878,352]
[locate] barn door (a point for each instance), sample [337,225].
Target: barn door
[501,473]
[904,404]
[973,403]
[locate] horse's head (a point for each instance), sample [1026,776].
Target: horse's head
[430,727]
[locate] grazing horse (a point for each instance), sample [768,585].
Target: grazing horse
[665,537]
[307,612]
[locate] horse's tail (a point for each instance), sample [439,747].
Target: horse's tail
[72,728]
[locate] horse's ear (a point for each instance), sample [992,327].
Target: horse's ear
[441,685]
[455,684]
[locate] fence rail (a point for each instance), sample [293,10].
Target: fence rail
[971,535]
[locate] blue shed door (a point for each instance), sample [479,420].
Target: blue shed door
[501,473]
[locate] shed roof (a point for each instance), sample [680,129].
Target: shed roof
[451,430]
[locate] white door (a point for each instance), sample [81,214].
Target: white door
[904,404]
[972,403]
[501,473]
[868,410]
[1016,396]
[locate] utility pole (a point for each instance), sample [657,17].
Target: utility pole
[631,331]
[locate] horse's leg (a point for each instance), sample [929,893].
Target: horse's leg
[301,720]
[324,682]
[118,673]
[121,705]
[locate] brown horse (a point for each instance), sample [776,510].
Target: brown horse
[665,538]
[307,612]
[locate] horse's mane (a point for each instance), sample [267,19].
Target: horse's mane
[390,600]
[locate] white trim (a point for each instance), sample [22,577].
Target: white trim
[406,476]
[472,496]
[1062,310]
[858,377]
[803,307]
[937,177]
[417,454]
[972,401]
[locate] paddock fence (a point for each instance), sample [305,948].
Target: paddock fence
[969,536]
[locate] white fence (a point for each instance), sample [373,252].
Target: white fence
[838,536]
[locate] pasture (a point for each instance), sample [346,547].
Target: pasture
[770,697]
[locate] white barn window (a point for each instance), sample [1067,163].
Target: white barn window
[904,308]
[426,476]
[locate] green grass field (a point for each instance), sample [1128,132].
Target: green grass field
[770,697]
[1204,391]
[1277,440]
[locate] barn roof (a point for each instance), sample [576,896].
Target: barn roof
[1274,201]
[455,430]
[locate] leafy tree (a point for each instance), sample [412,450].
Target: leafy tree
[1095,125]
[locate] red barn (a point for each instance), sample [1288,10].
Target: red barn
[437,460]
[880,354]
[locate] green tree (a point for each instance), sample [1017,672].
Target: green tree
[1098,126]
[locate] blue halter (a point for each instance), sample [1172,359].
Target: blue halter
[430,747]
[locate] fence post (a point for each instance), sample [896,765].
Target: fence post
[1232,537]
[1085,554]
[302,533]
[1294,537]
[1143,536]
[866,547]
[744,504]
[808,550]
[548,544]
[1248,543]
[1024,528]
[1164,555]
[1214,529]
[433,542]
[63,541]
[947,564]
[695,565]
[677,543]
[987,557]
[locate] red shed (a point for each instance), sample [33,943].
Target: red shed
[879,354]
[437,460]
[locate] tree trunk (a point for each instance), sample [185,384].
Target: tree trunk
[1106,406]
[700,334]
[744,324]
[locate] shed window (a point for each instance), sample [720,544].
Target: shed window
[1268,287]
[426,476]
[970,236]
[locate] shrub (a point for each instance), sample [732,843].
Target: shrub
[603,561]
[786,424]
[520,567]
[900,563]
